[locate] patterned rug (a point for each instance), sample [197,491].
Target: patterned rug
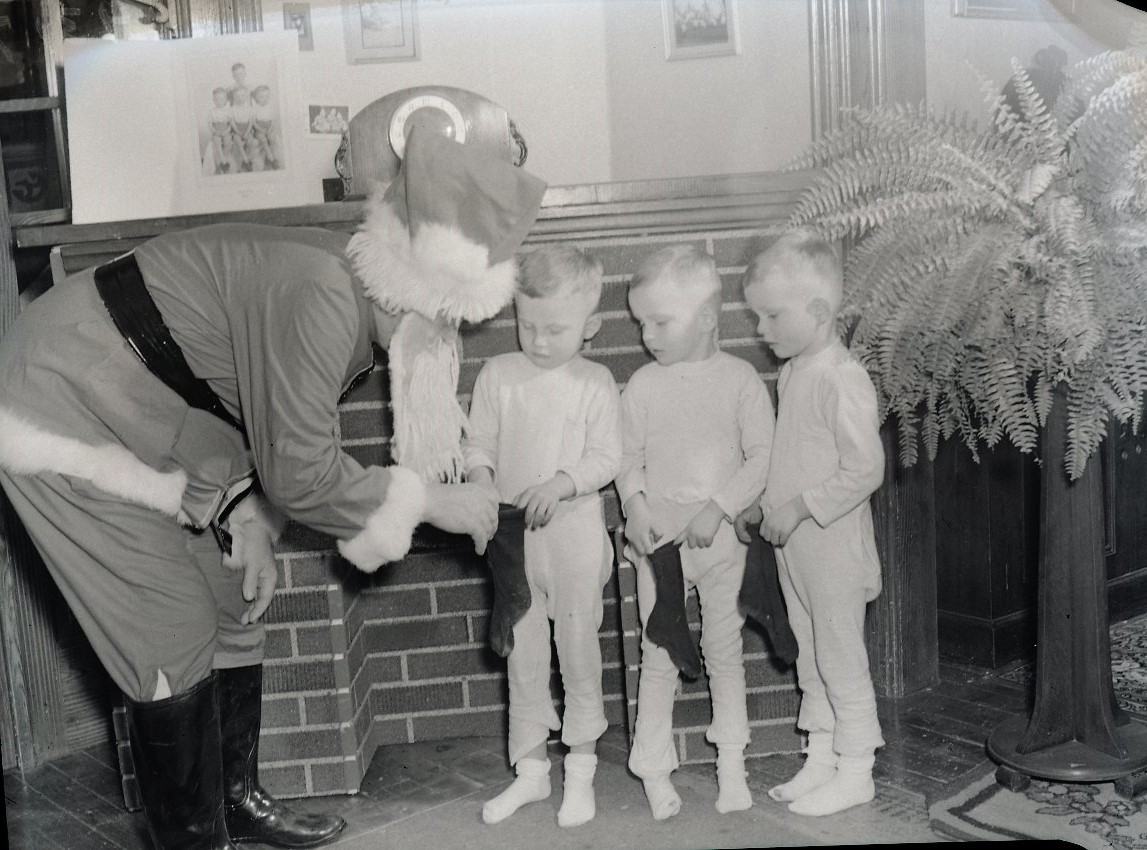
[1090,816]
[1128,670]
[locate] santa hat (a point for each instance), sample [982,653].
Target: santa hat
[441,240]
[439,245]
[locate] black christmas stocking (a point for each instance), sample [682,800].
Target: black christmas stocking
[667,626]
[761,599]
[505,556]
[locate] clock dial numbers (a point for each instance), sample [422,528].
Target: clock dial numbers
[430,111]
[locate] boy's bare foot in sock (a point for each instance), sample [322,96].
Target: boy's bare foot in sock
[578,804]
[819,768]
[532,785]
[733,793]
[851,786]
[662,796]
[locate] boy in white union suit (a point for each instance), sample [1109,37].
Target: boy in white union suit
[827,461]
[544,431]
[697,426]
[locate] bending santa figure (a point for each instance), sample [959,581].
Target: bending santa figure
[161,415]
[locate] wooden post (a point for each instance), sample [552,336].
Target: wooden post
[903,644]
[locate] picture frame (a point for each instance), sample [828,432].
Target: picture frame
[697,29]
[297,17]
[241,90]
[123,168]
[380,30]
[1015,10]
[327,120]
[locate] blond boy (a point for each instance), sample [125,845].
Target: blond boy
[827,462]
[544,431]
[697,427]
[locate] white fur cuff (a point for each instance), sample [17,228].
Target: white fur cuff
[386,535]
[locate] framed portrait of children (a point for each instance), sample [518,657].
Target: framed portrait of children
[224,133]
[695,29]
[380,30]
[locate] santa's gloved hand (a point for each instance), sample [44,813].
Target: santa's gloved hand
[254,526]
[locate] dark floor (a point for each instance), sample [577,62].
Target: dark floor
[935,739]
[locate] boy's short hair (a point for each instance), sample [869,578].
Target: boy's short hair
[238,65]
[561,270]
[683,265]
[219,90]
[805,248]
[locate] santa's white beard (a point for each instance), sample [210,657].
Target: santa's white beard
[428,421]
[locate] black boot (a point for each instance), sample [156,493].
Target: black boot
[175,747]
[252,813]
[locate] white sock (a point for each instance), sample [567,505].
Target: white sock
[663,799]
[532,784]
[578,805]
[733,793]
[850,786]
[819,767]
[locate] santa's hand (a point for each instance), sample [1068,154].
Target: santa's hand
[463,509]
[260,573]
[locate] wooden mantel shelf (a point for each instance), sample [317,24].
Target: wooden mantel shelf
[597,208]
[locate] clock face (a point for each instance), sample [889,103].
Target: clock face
[428,110]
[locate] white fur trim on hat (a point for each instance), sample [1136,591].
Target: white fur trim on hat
[386,534]
[27,449]
[438,272]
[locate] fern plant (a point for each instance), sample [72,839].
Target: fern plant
[991,267]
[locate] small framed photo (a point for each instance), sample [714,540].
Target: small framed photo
[327,120]
[695,29]
[380,30]
[297,17]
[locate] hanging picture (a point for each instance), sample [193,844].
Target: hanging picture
[297,17]
[237,104]
[700,28]
[222,131]
[380,30]
[328,120]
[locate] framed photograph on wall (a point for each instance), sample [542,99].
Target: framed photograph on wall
[198,125]
[237,110]
[380,30]
[297,17]
[698,28]
[327,120]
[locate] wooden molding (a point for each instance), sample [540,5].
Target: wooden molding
[606,209]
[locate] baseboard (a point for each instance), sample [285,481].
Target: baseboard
[994,642]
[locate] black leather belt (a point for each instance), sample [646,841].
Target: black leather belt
[135,315]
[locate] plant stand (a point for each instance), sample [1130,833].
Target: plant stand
[1076,732]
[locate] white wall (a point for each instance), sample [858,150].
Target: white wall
[714,115]
[543,60]
[588,84]
[956,45]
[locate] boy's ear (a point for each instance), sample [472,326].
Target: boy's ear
[708,317]
[820,310]
[592,326]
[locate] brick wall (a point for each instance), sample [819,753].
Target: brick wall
[355,662]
